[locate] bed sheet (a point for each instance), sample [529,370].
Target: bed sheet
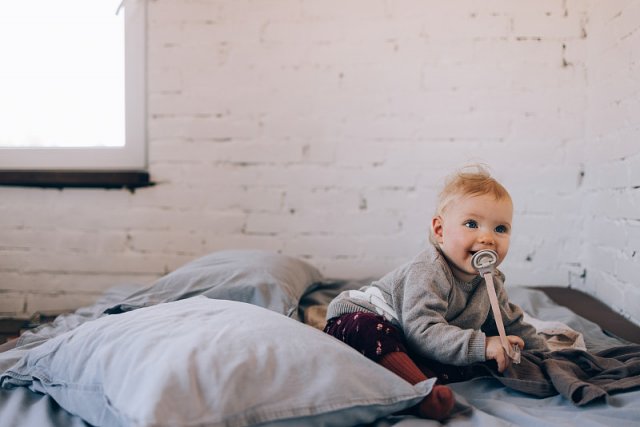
[491,403]
[21,407]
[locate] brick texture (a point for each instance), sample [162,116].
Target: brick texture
[610,191]
[323,129]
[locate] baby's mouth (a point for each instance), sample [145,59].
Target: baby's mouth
[471,254]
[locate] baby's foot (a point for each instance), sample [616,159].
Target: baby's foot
[438,404]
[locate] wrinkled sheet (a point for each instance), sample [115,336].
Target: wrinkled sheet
[21,407]
[492,403]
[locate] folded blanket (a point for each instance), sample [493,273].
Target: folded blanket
[579,376]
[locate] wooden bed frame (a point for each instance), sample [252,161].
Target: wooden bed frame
[595,310]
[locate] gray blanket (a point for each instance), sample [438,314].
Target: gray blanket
[579,376]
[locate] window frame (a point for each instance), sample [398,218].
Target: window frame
[20,163]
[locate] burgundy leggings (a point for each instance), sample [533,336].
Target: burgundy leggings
[370,334]
[374,336]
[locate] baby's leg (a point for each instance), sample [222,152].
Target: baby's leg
[376,338]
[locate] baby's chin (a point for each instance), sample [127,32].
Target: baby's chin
[466,275]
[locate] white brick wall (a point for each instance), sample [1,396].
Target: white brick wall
[323,129]
[611,190]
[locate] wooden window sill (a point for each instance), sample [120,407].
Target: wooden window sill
[78,179]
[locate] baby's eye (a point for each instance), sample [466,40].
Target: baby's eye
[471,224]
[502,229]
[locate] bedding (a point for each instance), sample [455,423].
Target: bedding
[190,350]
[201,361]
[266,279]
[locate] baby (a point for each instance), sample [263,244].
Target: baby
[436,306]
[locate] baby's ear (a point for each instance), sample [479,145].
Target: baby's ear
[436,228]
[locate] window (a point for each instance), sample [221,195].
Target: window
[72,86]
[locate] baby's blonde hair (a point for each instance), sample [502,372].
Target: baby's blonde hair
[472,180]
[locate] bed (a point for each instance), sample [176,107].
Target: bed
[232,339]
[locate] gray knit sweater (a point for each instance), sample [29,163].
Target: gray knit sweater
[442,318]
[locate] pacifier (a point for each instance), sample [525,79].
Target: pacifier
[485,262]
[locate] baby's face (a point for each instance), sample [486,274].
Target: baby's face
[470,224]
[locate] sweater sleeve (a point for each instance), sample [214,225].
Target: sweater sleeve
[422,299]
[513,318]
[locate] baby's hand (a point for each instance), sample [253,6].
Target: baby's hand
[495,351]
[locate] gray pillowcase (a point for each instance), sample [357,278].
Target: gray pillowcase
[262,278]
[210,362]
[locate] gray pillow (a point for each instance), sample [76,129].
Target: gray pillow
[210,362]
[267,279]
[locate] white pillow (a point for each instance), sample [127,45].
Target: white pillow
[263,278]
[210,362]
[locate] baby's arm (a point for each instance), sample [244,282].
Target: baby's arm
[423,303]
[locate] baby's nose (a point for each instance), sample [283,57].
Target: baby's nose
[486,239]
